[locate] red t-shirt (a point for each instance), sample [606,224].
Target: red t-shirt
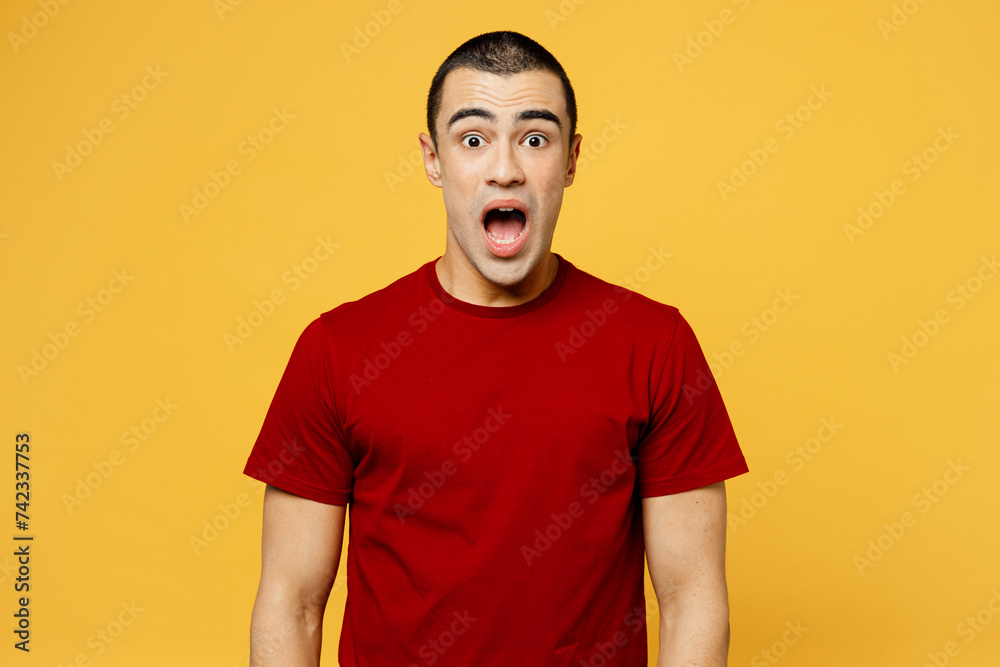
[494,459]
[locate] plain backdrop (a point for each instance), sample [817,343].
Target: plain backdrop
[186,185]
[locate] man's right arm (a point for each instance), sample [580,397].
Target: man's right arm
[300,554]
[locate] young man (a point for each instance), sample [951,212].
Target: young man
[509,432]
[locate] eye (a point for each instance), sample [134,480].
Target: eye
[472,141]
[536,140]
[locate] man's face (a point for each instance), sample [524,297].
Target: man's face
[503,143]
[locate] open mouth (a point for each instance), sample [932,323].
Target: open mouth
[504,225]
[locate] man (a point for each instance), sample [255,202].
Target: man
[509,432]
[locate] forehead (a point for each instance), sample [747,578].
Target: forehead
[469,88]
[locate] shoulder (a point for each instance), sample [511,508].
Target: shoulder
[636,309]
[384,303]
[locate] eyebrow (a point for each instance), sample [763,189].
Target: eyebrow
[528,114]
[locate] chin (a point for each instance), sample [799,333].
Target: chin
[507,272]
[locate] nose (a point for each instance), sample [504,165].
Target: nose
[504,168]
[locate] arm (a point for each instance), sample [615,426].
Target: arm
[685,539]
[300,555]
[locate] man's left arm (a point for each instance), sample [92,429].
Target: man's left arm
[685,540]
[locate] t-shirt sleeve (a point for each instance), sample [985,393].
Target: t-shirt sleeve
[301,448]
[689,440]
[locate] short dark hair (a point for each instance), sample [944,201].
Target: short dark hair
[504,53]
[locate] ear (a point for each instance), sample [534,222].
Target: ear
[432,163]
[574,155]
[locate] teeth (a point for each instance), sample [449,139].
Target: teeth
[505,242]
[507,209]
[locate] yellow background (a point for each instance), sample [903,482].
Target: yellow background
[672,131]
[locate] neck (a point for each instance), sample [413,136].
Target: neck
[463,281]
